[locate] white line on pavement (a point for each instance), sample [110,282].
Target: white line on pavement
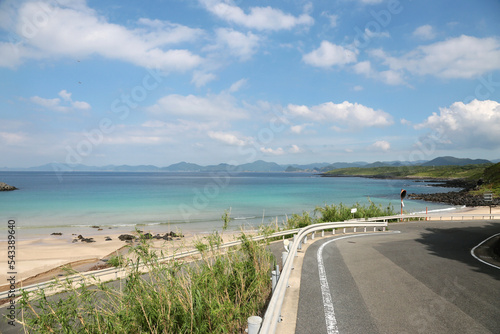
[331,321]
[477,258]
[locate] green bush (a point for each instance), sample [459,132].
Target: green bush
[338,213]
[214,295]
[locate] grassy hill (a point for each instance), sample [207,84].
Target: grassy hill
[472,172]
[490,181]
[487,175]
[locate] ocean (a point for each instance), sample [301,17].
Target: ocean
[75,201]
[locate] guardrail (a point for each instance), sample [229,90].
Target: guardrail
[437,215]
[115,273]
[273,313]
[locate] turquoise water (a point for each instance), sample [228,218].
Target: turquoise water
[187,201]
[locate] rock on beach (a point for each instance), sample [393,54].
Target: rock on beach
[6,187]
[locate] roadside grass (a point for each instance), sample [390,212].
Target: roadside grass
[214,295]
[328,213]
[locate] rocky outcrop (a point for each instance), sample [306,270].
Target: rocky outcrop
[126,237]
[6,187]
[455,198]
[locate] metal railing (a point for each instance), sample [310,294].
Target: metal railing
[115,273]
[273,313]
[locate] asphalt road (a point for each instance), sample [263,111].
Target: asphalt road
[422,280]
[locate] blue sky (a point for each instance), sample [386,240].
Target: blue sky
[210,81]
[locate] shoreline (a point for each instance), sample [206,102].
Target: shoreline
[42,259]
[460,197]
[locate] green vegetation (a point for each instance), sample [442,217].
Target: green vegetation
[490,181]
[472,172]
[116,260]
[337,213]
[214,295]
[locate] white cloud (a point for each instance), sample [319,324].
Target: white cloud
[11,138]
[240,45]
[472,125]
[343,115]
[56,103]
[86,33]
[271,151]
[65,95]
[80,105]
[228,138]
[390,77]
[259,18]
[237,85]
[376,34]
[201,78]
[329,54]
[425,32]
[295,149]
[331,17]
[53,104]
[134,140]
[298,129]
[461,57]
[357,88]
[380,145]
[221,106]
[405,122]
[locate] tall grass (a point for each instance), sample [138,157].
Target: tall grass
[337,213]
[214,295]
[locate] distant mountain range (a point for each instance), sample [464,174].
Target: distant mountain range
[257,166]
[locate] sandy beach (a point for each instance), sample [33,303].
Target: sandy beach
[41,259]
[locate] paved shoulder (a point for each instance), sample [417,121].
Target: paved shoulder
[420,281]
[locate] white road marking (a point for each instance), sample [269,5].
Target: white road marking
[477,258]
[331,320]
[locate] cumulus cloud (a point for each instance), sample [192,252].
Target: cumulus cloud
[472,125]
[295,149]
[344,115]
[271,151]
[201,78]
[328,55]
[259,18]
[86,33]
[221,106]
[425,32]
[380,145]
[461,57]
[228,138]
[235,43]
[292,149]
[390,77]
[64,105]
[297,129]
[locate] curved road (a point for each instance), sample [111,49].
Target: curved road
[422,280]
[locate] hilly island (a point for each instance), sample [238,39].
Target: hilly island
[475,179]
